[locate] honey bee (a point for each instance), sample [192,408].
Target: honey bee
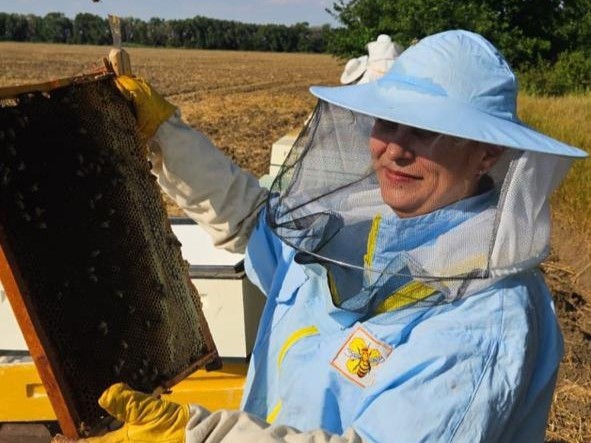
[362,357]
[103,327]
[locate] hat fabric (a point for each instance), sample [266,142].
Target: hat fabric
[382,54]
[354,69]
[455,83]
[382,49]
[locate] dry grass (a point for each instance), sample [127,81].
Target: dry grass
[245,101]
[571,409]
[567,119]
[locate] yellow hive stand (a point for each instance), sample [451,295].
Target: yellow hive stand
[23,397]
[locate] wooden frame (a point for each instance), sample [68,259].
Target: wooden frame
[46,362]
[40,346]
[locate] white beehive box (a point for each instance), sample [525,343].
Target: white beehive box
[231,303]
[11,338]
[280,151]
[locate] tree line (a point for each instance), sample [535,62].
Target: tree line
[197,32]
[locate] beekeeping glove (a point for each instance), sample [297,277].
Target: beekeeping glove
[150,420]
[146,419]
[151,109]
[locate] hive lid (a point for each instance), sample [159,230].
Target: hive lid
[198,248]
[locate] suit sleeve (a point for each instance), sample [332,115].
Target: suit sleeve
[224,199]
[234,426]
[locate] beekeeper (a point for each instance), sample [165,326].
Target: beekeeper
[381,53]
[399,252]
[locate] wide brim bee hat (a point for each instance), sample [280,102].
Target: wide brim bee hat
[454,83]
[328,202]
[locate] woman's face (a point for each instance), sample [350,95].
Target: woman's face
[420,171]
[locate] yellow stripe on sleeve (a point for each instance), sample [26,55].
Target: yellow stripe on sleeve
[410,293]
[372,238]
[332,287]
[274,413]
[293,338]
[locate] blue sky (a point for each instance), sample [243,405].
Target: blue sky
[249,11]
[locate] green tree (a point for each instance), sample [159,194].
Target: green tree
[56,28]
[134,30]
[90,29]
[16,28]
[34,28]
[157,32]
[525,31]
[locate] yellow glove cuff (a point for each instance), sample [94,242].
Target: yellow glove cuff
[151,108]
[147,419]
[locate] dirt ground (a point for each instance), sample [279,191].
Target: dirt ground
[567,272]
[246,101]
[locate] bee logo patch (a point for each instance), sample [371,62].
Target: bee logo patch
[359,357]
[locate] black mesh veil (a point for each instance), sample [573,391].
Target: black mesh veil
[329,203]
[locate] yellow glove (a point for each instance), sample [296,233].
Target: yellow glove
[151,109]
[146,419]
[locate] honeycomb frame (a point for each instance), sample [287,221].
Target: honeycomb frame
[88,259]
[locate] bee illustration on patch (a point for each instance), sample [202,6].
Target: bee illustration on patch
[361,357]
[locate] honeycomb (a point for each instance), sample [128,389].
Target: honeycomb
[86,236]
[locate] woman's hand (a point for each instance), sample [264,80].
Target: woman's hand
[145,419]
[151,109]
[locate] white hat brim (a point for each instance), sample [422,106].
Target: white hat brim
[354,69]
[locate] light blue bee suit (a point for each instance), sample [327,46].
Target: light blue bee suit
[475,365]
[479,369]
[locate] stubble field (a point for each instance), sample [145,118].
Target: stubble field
[244,101]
